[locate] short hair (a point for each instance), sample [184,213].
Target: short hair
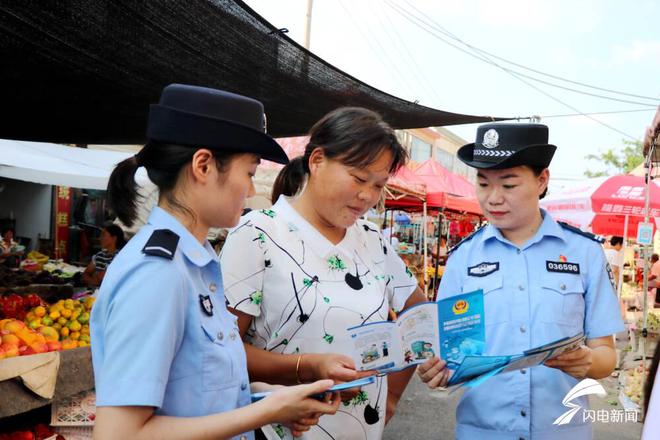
[616,240]
[655,257]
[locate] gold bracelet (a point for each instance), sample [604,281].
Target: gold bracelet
[298,369]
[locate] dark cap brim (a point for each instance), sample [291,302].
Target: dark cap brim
[532,155]
[173,126]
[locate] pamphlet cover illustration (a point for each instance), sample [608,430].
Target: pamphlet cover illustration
[451,328]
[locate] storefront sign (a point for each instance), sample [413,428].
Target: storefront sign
[62,220]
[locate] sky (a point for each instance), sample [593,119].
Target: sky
[396,46]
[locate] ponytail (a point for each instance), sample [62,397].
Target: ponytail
[290,180]
[123,191]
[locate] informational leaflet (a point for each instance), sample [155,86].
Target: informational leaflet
[451,328]
[454,330]
[476,369]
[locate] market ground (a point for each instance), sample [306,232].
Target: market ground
[430,414]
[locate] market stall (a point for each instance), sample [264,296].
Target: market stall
[455,213]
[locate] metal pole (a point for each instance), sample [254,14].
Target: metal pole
[425,244]
[437,255]
[623,249]
[308,23]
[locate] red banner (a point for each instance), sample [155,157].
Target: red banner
[62,220]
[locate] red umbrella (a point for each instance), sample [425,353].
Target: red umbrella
[619,197]
[602,205]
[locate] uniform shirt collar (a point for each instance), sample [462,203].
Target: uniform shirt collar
[310,235]
[193,250]
[548,228]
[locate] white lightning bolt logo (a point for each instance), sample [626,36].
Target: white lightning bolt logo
[583,388]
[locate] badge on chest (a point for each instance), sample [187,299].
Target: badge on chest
[562,267]
[483,269]
[207,305]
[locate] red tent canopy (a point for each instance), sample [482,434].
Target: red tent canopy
[445,189]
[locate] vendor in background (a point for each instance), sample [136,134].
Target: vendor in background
[443,251]
[112,240]
[9,254]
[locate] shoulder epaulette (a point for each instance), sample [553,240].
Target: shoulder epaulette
[162,243]
[589,235]
[466,239]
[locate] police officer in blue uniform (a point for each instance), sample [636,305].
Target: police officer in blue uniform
[168,358]
[542,281]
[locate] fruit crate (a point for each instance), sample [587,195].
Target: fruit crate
[78,410]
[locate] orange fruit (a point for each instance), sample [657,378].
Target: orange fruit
[49,333]
[10,339]
[64,332]
[40,311]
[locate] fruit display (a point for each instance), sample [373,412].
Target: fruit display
[17,306]
[14,278]
[633,383]
[61,326]
[67,319]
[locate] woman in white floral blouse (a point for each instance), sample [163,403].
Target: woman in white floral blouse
[298,275]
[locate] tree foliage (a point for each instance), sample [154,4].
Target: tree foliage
[617,162]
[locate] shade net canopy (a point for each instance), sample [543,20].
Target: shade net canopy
[80,71]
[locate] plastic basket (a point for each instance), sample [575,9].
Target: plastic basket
[78,410]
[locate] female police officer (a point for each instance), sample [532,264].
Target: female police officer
[530,297]
[164,345]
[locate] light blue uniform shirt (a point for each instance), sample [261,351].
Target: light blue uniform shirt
[527,305]
[152,342]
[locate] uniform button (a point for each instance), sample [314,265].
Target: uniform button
[221,336]
[521,438]
[243,437]
[523,413]
[232,336]
[518,250]
[243,386]
[563,287]
[213,287]
[521,287]
[523,329]
[523,371]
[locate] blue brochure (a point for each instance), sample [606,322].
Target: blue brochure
[451,328]
[473,370]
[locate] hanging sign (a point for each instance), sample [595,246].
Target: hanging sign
[645,233]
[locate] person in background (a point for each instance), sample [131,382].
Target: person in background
[9,253]
[112,240]
[654,274]
[615,257]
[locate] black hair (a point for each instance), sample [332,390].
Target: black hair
[650,378]
[6,229]
[163,163]
[655,257]
[537,172]
[616,240]
[354,136]
[117,232]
